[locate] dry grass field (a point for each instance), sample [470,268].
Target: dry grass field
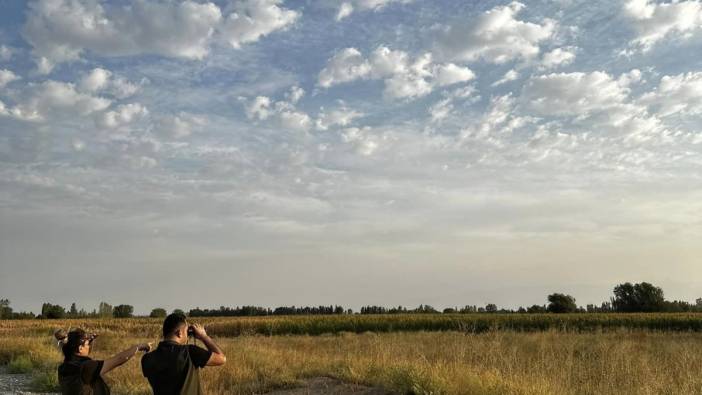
[616,361]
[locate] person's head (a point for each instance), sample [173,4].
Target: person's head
[77,342]
[175,328]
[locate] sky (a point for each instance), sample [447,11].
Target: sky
[392,152]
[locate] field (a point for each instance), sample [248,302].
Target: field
[439,354]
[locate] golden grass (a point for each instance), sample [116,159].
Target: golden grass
[450,362]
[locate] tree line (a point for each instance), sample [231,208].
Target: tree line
[627,298]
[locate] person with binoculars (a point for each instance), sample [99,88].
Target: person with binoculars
[81,375]
[173,367]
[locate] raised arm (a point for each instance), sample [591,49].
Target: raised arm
[217,358]
[122,357]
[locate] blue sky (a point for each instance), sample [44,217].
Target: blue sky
[194,153]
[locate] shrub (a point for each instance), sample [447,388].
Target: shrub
[20,364]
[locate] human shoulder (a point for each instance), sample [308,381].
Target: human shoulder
[198,355]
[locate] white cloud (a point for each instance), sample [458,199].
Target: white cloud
[295,94]
[55,99]
[403,77]
[441,109]
[496,36]
[361,139]
[253,19]
[558,57]
[676,94]
[101,80]
[180,125]
[96,80]
[578,94]
[295,120]
[122,115]
[347,8]
[259,108]
[7,76]
[509,76]
[282,112]
[346,65]
[341,116]
[496,124]
[653,22]
[5,53]
[121,88]
[60,30]
[449,74]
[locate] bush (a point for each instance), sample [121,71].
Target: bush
[45,381]
[20,364]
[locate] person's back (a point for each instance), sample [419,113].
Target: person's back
[173,368]
[81,375]
[167,367]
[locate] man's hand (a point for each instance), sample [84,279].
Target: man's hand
[145,347]
[199,331]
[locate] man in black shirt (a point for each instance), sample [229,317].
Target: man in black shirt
[172,369]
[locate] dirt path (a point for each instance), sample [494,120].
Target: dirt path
[12,384]
[326,385]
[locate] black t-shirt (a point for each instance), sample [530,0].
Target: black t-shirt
[81,376]
[167,366]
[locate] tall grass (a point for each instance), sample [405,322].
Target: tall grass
[582,359]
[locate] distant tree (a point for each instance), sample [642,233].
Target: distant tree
[642,297]
[449,310]
[73,312]
[158,313]
[698,303]
[561,303]
[178,311]
[105,310]
[491,308]
[5,309]
[468,309]
[536,309]
[52,311]
[123,311]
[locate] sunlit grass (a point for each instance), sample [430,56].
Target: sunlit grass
[422,362]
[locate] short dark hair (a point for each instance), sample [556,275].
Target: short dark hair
[73,341]
[172,322]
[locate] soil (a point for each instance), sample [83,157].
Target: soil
[327,385]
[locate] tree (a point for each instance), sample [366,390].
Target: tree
[73,312]
[643,297]
[536,309]
[52,311]
[105,310]
[178,311]
[123,311]
[491,308]
[561,303]
[5,309]
[158,313]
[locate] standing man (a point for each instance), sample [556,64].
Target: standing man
[173,368]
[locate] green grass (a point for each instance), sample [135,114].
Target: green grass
[20,364]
